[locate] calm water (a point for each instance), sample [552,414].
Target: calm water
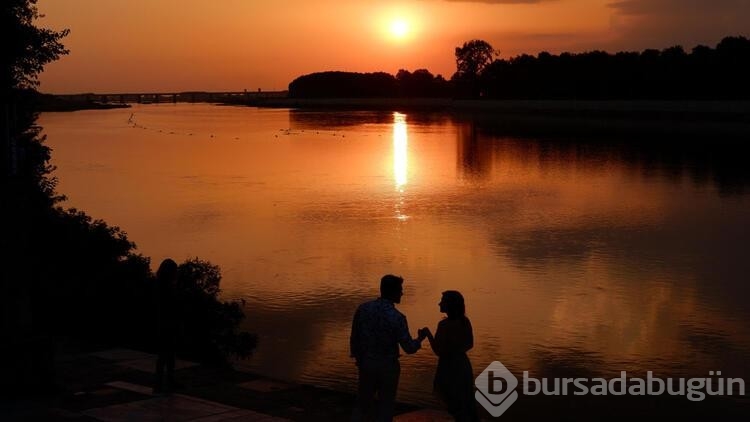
[575,256]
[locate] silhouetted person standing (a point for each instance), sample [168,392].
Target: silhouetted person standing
[378,329]
[168,321]
[454,378]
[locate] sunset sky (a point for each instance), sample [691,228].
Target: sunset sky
[178,45]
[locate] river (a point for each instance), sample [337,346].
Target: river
[575,255]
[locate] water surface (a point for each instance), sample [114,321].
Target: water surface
[576,256]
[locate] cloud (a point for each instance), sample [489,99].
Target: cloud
[678,7]
[661,23]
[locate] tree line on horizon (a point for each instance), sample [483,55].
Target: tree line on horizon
[704,73]
[333,84]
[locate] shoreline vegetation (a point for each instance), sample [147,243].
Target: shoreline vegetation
[66,274]
[693,118]
[705,80]
[702,93]
[654,92]
[705,73]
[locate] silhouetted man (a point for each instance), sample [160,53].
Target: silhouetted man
[378,329]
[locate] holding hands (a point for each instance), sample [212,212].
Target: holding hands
[424,333]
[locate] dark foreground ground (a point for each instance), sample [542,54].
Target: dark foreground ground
[99,384]
[95,384]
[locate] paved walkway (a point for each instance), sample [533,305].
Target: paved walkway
[177,407]
[123,401]
[114,386]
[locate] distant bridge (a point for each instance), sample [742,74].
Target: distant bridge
[178,97]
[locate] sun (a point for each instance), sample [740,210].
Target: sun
[399,28]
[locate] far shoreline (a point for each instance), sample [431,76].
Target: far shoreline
[451,104]
[702,119]
[691,118]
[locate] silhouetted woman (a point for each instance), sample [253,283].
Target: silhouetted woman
[168,320]
[454,378]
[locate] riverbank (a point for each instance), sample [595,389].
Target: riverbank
[560,117]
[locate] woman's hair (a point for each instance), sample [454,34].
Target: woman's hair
[167,271]
[453,303]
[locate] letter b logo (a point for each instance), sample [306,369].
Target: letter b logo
[496,389]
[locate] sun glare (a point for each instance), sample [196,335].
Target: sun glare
[399,28]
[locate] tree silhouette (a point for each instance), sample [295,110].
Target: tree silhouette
[343,85]
[672,73]
[23,53]
[27,206]
[471,59]
[668,74]
[420,83]
[27,48]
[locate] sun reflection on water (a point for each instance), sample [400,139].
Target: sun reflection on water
[400,160]
[400,142]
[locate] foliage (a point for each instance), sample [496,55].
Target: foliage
[27,48]
[24,52]
[472,58]
[343,85]
[64,273]
[92,285]
[421,83]
[210,325]
[25,157]
[718,73]
[672,73]
[200,276]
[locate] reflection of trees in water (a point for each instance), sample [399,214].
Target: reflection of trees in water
[479,138]
[703,242]
[330,119]
[703,161]
[474,155]
[338,119]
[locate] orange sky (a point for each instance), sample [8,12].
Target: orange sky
[177,45]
